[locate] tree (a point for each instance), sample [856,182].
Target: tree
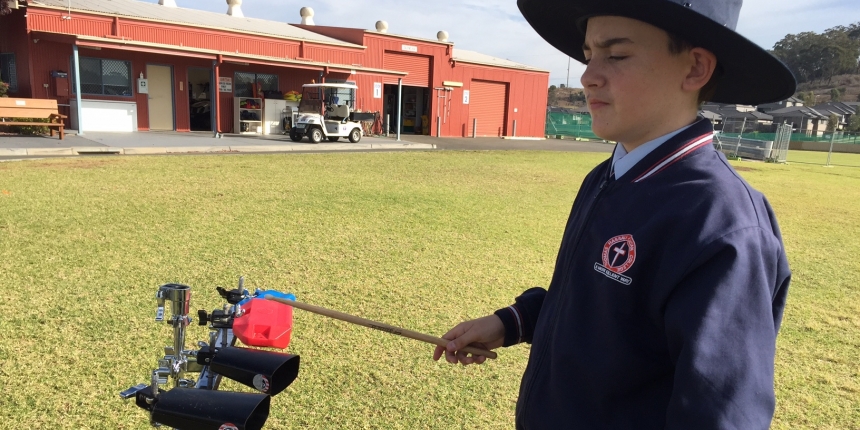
[853,124]
[832,122]
[808,98]
[835,95]
[562,86]
[812,56]
[552,96]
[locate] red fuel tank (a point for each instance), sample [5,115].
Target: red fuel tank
[265,323]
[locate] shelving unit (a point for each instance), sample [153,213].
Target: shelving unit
[247,120]
[409,114]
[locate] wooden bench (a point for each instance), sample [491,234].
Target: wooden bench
[32,108]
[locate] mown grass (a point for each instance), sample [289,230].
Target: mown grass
[421,240]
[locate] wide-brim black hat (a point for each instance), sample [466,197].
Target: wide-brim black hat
[750,75]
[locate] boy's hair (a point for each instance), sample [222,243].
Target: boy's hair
[677,45]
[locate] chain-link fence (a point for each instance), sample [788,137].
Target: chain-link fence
[569,125]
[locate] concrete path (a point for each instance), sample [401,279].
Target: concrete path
[15,146]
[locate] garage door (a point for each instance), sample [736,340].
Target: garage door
[488,103]
[417,66]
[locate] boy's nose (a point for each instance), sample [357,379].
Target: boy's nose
[592,77]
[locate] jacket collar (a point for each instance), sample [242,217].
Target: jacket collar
[699,135]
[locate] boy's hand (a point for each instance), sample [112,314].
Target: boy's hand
[487,332]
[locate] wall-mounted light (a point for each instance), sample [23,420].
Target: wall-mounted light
[35,40]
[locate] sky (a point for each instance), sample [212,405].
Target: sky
[495,27]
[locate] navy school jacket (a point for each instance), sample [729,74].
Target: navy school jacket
[665,302]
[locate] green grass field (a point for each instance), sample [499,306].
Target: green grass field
[420,240]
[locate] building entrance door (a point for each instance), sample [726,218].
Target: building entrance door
[160,97]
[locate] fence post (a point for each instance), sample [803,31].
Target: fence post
[438,127]
[740,136]
[832,138]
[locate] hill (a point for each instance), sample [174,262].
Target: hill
[565,97]
[848,85]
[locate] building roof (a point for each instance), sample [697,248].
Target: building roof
[488,60]
[198,18]
[750,115]
[710,115]
[837,108]
[798,110]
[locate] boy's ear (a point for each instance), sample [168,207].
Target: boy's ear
[702,64]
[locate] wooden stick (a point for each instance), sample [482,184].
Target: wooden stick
[380,326]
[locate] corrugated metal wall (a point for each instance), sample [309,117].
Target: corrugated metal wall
[418,67]
[526,90]
[488,103]
[15,40]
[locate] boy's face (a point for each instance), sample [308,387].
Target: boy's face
[633,83]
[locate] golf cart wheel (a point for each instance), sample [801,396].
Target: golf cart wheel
[295,136]
[315,135]
[355,135]
[333,139]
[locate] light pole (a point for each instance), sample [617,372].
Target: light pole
[568,73]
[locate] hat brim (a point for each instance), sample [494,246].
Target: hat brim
[750,76]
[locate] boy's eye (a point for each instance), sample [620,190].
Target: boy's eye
[617,57]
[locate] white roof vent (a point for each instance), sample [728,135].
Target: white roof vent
[168,3]
[234,8]
[442,36]
[307,16]
[382,26]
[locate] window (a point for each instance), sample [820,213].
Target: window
[105,77]
[243,83]
[8,73]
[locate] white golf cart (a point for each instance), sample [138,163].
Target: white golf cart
[326,112]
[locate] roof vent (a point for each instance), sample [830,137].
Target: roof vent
[307,16]
[234,8]
[382,26]
[168,3]
[442,36]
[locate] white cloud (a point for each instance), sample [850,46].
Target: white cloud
[495,27]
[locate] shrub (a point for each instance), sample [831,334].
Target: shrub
[27,130]
[4,87]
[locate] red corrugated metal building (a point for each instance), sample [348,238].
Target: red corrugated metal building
[194,61]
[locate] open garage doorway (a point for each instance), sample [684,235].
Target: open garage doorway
[414,109]
[200,94]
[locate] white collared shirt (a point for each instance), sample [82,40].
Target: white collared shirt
[622,161]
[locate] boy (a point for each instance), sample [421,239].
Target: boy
[671,277]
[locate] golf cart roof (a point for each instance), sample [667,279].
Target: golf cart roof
[347,86]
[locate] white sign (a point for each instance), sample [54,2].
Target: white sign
[377,90]
[225,85]
[143,86]
[409,48]
[465,97]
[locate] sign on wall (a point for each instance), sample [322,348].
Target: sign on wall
[225,85]
[377,90]
[143,86]
[465,97]
[409,48]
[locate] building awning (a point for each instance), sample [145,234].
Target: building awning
[224,56]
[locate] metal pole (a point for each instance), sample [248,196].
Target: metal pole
[78,89]
[832,138]
[213,77]
[515,128]
[438,127]
[474,128]
[399,105]
[387,124]
[568,73]
[216,90]
[740,136]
